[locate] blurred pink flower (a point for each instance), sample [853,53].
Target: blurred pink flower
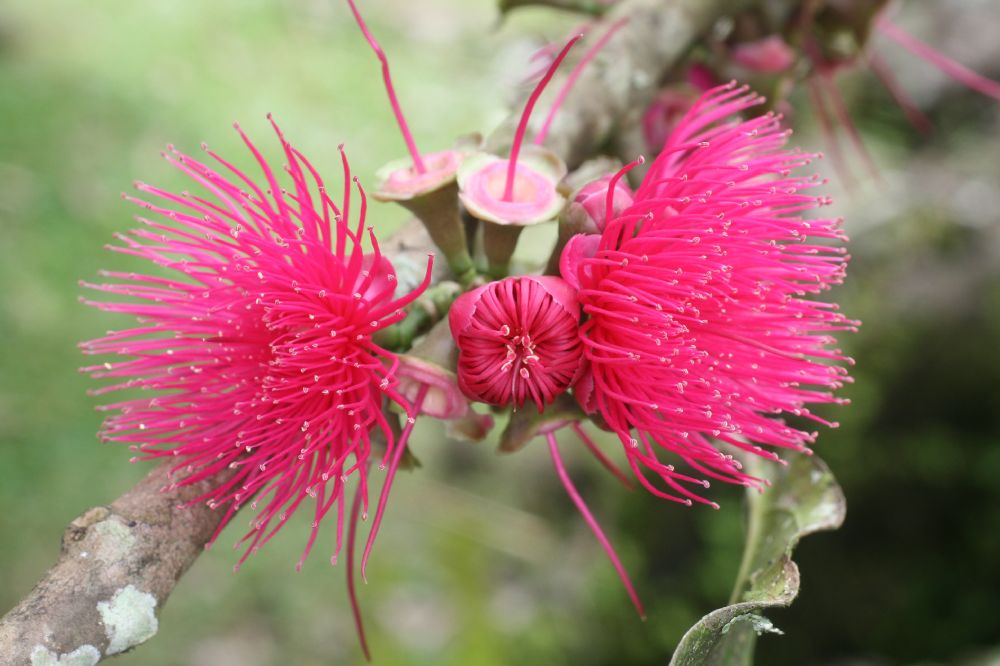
[257,338]
[662,115]
[769,55]
[700,319]
[517,340]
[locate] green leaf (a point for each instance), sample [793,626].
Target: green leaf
[803,498]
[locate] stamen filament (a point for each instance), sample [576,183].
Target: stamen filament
[914,115]
[411,145]
[574,75]
[601,458]
[952,68]
[391,474]
[508,190]
[352,530]
[609,199]
[592,522]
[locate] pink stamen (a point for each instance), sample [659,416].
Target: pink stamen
[609,201]
[601,458]
[517,340]
[703,319]
[574,75]
[914,115]
[259,348]
[391,474]
[592,523]
[522,126]
[952,68]
[352,530]
[411,145]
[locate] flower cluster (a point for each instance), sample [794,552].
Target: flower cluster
[683,317]
[700,325]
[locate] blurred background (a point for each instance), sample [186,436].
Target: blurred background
[482,559]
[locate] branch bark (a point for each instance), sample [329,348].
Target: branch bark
[117,566]
[614,90]
[120,562]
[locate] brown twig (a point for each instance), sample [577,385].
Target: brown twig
[118,565]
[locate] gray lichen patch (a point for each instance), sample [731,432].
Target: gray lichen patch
[129,618]
[758,623]
[85,655]
[113,540]
[92,516]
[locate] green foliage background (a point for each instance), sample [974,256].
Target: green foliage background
[482,559]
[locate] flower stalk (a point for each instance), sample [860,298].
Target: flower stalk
[424,312]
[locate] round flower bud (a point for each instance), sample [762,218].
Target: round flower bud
[517,340]
[589,207]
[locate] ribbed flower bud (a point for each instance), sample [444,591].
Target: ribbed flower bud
[517,340]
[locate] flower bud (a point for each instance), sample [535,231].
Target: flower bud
[517,340]
[664,113]
[588,210]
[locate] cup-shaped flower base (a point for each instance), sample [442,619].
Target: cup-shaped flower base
[533,198]
[432,196]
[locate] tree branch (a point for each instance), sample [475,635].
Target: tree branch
[614,90]
[119,563]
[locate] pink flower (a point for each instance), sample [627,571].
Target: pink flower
[589,205]
[257,340]
[701,323]
[769,55]
[662,115]
[517,340]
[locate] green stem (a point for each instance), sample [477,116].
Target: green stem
[591,7]
[755,525]
[423,313]
[499,243]
[439,212]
